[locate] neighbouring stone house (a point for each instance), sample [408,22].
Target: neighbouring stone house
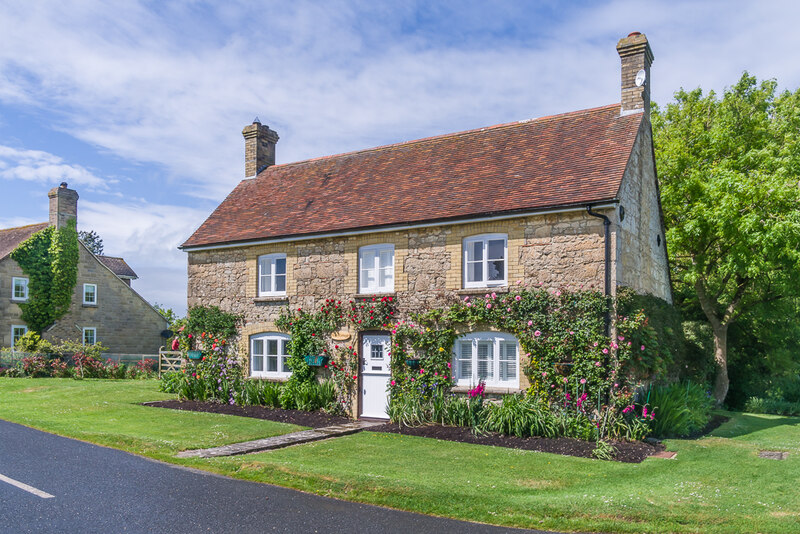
[435,219]
[104,307]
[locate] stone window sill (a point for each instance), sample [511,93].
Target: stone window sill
[277,298]
[19,301]
[489,390]
[482,290]
[374,295]
[269,378]
[85,305]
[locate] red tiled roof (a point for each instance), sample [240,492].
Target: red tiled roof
[10,238]
[118,266]
[570,159]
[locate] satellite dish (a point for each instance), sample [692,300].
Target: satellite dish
[640,77]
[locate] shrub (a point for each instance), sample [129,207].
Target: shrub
[680,409]
[36,365]
[772,406]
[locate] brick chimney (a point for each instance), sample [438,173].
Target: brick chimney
[63,205]
[259,148]
[636,56]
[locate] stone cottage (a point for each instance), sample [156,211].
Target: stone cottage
[568,200]
[104,307]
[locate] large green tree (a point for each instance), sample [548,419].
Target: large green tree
[729,169]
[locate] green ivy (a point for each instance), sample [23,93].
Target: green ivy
[50,259]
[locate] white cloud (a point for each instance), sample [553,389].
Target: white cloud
[147,236]
[43,167]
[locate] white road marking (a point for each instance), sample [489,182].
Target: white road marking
[25,487]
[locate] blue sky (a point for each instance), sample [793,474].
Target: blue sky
[140,105]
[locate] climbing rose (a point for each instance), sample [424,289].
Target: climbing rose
[537,333]
[583,380]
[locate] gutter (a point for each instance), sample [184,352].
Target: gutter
[607,270]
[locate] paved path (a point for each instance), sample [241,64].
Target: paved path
[278,442]
[100,490]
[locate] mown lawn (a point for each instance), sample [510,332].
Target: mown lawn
[716,484]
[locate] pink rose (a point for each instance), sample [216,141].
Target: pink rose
[537,333]
[583,380]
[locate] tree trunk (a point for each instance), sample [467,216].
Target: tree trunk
[721,381]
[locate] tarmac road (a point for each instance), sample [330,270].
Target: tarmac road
[84,488]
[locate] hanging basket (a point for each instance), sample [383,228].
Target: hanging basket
[194,354]
[412,362]
[316,361]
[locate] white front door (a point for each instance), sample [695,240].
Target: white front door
[375,373]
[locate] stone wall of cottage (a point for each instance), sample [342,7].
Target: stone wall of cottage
[562,250]
[641,244]
[9,309]
[125,322]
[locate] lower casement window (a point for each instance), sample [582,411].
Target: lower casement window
[268,355]
[491,357]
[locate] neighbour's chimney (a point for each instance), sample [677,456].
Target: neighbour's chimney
[636,56]
[63,205]
[259,148]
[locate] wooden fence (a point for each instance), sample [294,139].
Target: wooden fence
[169,360]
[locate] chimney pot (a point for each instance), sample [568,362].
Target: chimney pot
[259,147]
[634,33]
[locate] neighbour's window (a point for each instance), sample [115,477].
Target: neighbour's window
[272,275]
[485,260]
[90,293]
[19,289]
[268,355]
[17,331]
[376,269]
[489,356]
[89,336]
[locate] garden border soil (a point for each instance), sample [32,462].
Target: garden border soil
[630,452]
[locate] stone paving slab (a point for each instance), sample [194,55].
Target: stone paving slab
[277,442]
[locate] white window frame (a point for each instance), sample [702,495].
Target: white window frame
[91,329]
[375,270]
[264,339]
[498,341]
[484,238]
[90,302]
[17,327]
[24,282]
[270,260]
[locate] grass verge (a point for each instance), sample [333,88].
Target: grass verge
[716,484]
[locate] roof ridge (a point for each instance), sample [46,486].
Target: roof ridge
[24,226]
[546,118]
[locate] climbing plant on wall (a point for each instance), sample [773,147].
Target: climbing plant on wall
[50,259]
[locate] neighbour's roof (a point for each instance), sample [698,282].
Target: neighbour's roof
[10,238]
[559,161]
[118,266]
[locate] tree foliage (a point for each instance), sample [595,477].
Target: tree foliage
[92,241]
[728,169]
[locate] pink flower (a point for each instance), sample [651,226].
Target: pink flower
[595,343]
[530,323]
[552,385]
[629,343]
[469,304]
[558,293]
[597,364]
[519,282]
[571,333]
[509,308]
[494,295]
[466,299]
[583,380]
[448,365]
[518,297]
[393,382]
[605,351]
[488,306]
[621,338]
[412,379]
[565,380]
[544,374]
[421,371]
[642,347]
[537,333]
[616,385]
[614,346]
[436,374]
